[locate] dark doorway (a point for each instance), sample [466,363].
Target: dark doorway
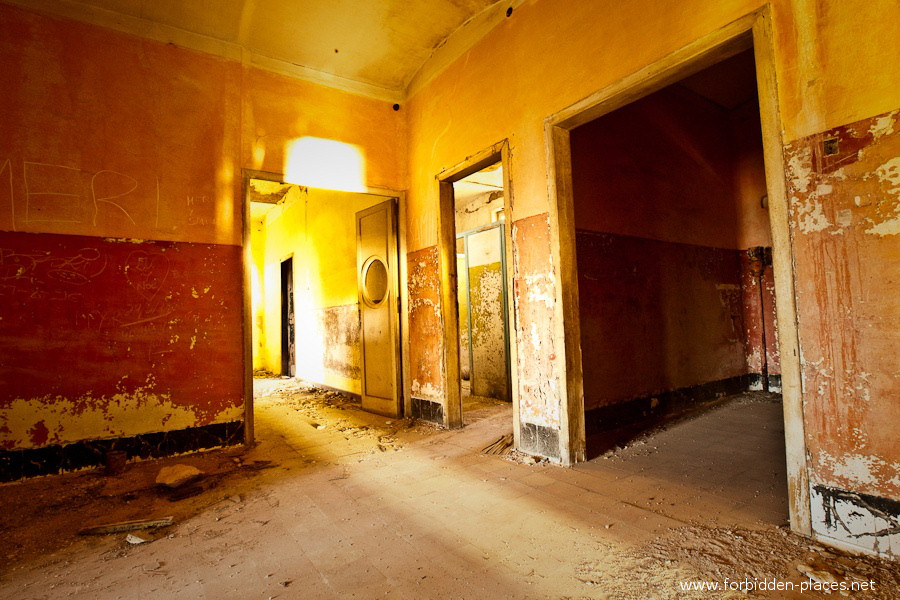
[673,246]
[676,292]
[288,347]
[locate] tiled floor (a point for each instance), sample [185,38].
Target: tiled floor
[370,508]
[732,456]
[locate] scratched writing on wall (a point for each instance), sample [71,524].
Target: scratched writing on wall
[36,195]
[139,283]
[43,276]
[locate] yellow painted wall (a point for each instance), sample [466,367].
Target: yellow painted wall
[318,229]
[836,64]
[107,135]
[279,109]
[260,343]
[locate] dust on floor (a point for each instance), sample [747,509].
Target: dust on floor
[337,503]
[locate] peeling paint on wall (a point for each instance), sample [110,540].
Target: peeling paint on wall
[848,299]
[888,175]
[328,350]
[462,280]
[759,321]
[486,316]
[425,325]
[534,297]
[64,421]
[861,156]
[103,338]
[863,471]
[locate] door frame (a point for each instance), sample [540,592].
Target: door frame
[498,152]
[247,307]
[753,30]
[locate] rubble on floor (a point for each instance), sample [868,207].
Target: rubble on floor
[371,507]
[175,476]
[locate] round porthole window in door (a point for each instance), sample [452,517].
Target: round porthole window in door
[375,281]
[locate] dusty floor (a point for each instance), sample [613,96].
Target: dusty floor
[355,505]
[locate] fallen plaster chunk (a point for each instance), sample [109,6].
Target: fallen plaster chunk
[177,475]
[136,539]
[819,575]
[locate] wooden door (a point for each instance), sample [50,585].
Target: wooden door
[376,243]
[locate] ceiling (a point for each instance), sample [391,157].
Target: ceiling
[379,44]
[264,195]
[476,185]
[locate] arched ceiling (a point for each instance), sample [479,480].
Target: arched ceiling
[379,44]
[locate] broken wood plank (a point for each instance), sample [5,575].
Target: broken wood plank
[499,447]
[127,526]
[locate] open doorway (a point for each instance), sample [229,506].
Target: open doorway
[482,299]
[476,313]
[323,279]
[673,247]
[663,193]
[288,339]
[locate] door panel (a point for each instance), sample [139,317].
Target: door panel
[377,281]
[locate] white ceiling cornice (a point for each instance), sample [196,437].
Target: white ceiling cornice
[235,45]
[167,34]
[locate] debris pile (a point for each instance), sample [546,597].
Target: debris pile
[719,553]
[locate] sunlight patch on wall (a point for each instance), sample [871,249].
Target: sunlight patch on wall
[325,164]
[224,218]
[310,342]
